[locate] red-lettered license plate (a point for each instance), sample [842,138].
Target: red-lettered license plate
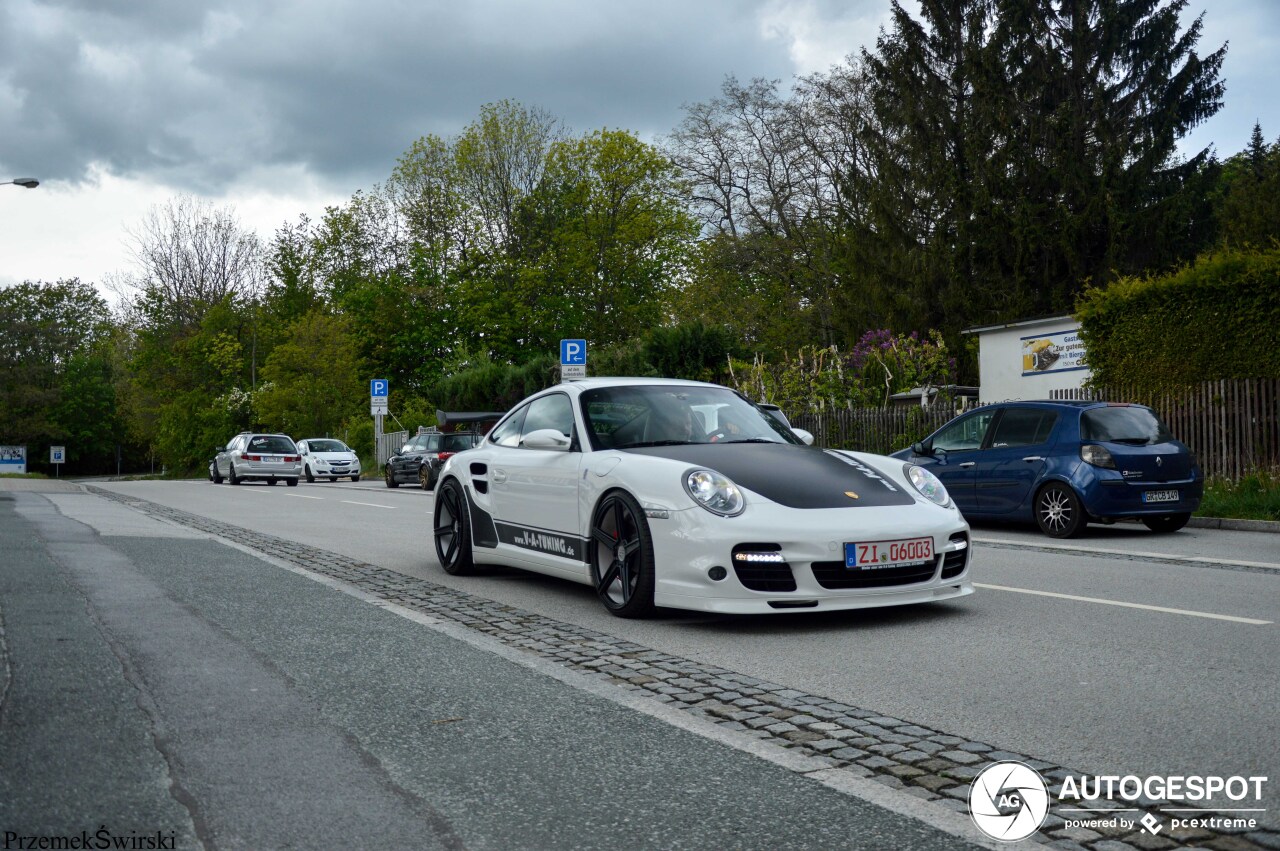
[872,555]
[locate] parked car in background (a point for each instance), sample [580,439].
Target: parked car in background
[421,458]
[250,455]
[324,457]
[1064,465]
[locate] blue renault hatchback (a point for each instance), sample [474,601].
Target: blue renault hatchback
[1063,465]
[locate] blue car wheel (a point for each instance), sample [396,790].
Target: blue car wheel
[1058,511]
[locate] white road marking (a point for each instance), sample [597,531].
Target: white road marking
[1195,614]
[1005,542]
[370,504]
[303,496]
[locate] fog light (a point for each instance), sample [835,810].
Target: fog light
[717,573]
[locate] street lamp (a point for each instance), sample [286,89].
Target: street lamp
[27,182]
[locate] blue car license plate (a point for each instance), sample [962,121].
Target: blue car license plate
[1160,496]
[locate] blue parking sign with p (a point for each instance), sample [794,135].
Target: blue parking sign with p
[378,387]
[573,351]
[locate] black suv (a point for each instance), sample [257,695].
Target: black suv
[421,458]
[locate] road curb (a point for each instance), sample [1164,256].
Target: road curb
[1228,523]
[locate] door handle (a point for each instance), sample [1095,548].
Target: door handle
[1033,458]
[498,476]
[967,464]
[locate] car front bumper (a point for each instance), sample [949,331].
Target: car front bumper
[688,543]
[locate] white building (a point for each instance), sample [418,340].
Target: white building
[1028,359]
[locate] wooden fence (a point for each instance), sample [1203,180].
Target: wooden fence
[879,430]
[1233,425]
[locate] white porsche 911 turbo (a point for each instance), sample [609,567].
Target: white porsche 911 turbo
[686,495]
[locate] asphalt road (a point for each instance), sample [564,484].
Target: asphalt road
[156,683]
[1129,653]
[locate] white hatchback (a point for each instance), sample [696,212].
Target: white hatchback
[326,458]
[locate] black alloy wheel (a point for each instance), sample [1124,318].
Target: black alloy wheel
[621,552]
[232,477]
[453,531]
[1058,511]
[310,478]
[1166,523]
[390,479]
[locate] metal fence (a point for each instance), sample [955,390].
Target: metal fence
[1232,425]
[388,444]
[879,430]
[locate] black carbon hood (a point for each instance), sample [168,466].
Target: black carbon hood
[794,476]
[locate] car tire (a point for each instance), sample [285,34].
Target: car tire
[452,531]
[621,556]
[1059,513]
[213,475]
[311,479]
[232,477]
[1166,523]
[424,478]
[390,479]
[271,482]
[355,478]
[293,483]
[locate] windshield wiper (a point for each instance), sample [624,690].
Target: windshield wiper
[656,443]
[750,440]
[1131,441]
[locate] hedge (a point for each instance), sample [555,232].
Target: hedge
[1217,318]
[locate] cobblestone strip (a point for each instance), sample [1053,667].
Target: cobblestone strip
[918,760]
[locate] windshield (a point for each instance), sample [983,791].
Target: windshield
[663,415]
[327,446]
[1130,424]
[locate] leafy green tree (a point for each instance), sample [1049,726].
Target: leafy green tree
[313,381]
[55,371]
[607,233]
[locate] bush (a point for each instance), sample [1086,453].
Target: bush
[1255,497]
[1211,320]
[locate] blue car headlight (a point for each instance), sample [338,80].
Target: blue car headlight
[929,485]
[714,492]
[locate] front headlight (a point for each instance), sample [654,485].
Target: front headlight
[714,492]
[928,484]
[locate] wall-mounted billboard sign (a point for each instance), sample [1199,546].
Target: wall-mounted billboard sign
[1060,351]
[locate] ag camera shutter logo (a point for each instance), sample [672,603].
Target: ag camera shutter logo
[1008,801]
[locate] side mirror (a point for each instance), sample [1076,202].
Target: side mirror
[218,449]
[546,438]
[922,449]
[806,436]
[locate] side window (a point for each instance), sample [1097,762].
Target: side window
[508,433]
[433,443]
[964,434]
[552,411]
[1023,427]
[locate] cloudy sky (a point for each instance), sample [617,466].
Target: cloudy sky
[280,108]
